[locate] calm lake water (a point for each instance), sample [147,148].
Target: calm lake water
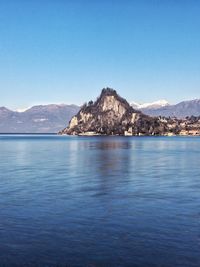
[99,201]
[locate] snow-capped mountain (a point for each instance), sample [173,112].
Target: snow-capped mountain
[152,105]
[180,110]
[163,108]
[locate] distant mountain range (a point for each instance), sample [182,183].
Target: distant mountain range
[163,108]
[37,119]
[52,118]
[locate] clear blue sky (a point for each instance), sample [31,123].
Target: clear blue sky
[66,51]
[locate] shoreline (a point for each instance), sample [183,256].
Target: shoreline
[95,135]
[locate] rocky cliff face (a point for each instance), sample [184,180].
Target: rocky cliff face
[112,115]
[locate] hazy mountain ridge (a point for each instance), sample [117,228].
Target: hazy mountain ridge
[37,119]
[180,110]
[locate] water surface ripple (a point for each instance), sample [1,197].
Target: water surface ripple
[99,201]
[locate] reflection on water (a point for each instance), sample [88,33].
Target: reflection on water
[99,201]
[107,144]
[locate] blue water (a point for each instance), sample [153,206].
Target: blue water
[99,201]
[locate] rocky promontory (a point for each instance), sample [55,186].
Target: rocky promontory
[111,114]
